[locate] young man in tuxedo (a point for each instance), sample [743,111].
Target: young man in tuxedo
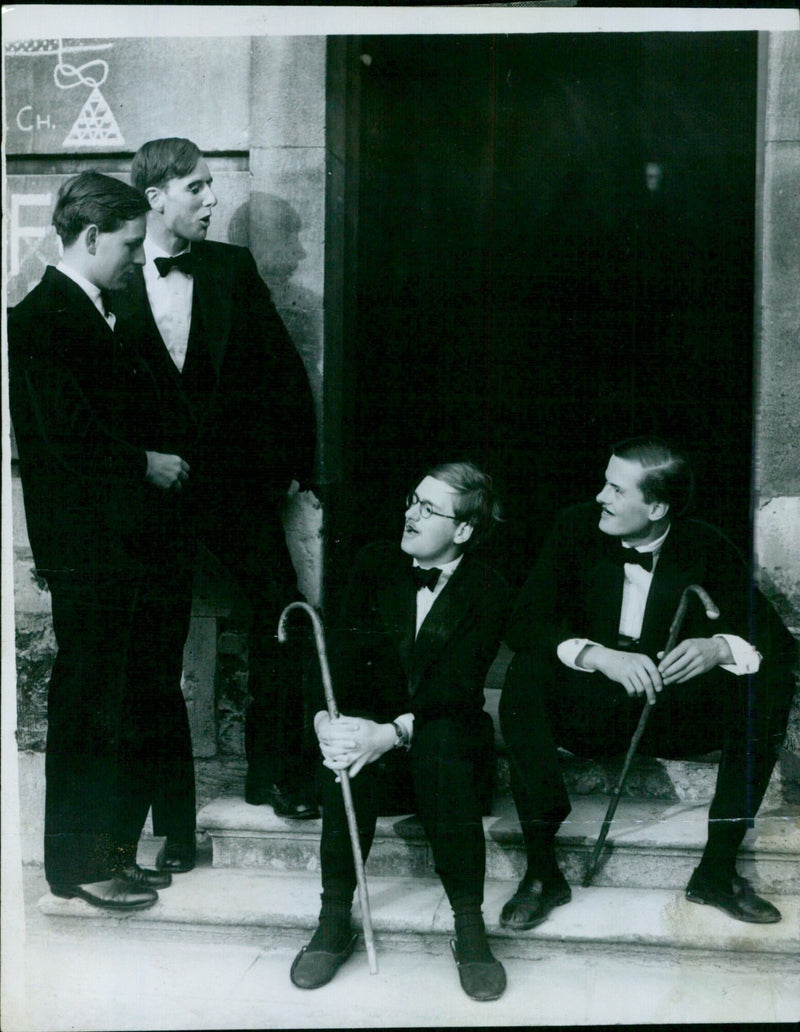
[589,629]
[419,628]
[204,318]
[102,492]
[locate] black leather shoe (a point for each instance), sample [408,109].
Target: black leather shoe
[313,968]
[736,898]
[533,901]
[284,802]
[144,877]
[482,980]
[122,895]
[176,857]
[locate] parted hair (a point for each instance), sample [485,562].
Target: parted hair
[476,501]
[92,199]
[158,161]
[668,475]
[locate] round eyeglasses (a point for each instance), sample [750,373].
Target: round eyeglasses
[426,509]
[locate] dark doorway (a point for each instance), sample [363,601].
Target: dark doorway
[555,251]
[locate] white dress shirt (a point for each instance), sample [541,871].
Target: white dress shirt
[92,292]
[635,589]
[170,300]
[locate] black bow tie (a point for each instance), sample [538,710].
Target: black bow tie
[630,555]
[183,262]
[105,301]
[425,578]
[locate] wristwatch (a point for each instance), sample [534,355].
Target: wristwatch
[403,741]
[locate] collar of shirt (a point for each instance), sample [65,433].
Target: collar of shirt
[425,599]
[651,546]
[153,251]
[91,290]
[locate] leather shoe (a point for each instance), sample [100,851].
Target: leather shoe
[533,901]
[736,898]
[284,802]
[313,968]
[482,980]
[176,857]
[123,895]
[144,877]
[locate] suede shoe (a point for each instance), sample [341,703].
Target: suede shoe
[735,898]
[144,877]
[314,968]
[117,894]
[176,857]
[533,901]
[482,980]
[285,803]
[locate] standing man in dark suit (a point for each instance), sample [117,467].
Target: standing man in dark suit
[204,318]
[419,629]
[103,504]
[589,631]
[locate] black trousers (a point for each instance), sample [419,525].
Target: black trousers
[544,704]
[249,540]
[438,780]
[108,655]
[156,765]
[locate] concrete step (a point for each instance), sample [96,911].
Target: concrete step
[651,843]
[278,909]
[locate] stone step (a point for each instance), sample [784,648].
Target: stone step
[651,843]
[274,909]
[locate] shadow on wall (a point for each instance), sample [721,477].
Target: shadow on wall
[271,228]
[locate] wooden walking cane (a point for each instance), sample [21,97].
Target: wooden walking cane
[713,614]
[344,777]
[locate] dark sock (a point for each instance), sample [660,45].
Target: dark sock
[334,930]
[471,938]
[541,852]
[718,862]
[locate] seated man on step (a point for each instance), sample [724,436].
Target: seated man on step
[420,626]
[589,630]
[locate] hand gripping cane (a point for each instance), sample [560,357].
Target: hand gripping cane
[344,777]
[713,614]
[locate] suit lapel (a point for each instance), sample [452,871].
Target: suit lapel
[447,612]
[672,574]
[397,602]
[75,307]
[604,592]
[213,293]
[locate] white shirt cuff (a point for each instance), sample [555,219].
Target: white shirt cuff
[746,659]
[406,721]
[569,650]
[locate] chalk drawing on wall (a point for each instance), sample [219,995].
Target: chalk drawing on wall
[96,123]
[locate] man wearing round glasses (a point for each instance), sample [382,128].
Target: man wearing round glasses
[419,628]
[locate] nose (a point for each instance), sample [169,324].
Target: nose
[209,197]
[138,258]
[410,514]
[603,496]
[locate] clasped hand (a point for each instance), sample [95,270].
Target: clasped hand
[639,675]
[166,471]
[349,743]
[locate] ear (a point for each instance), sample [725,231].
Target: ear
[658,510]
[92,233]
[155,196]
[463,533]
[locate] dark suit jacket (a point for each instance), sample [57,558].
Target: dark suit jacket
[85,407]
[379,669]
[256,419]
[575,590]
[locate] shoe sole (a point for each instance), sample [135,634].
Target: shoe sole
[119,908]
[341,958]
[560,902]
[734,917]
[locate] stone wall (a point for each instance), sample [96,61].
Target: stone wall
[777,443]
